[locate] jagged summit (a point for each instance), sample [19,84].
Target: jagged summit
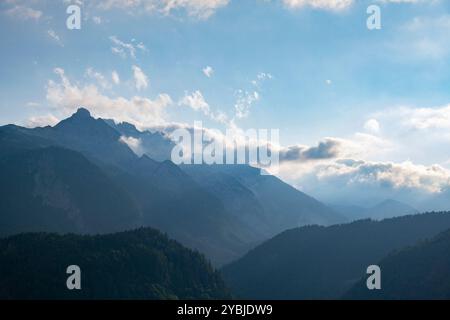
[82,115]
[82,112]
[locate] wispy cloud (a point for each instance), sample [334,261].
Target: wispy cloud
[208,71]
[246,98]
[196,101]
[24,13]
[244,102]
[200,9]
[115,77]
[97,76]
[337,5]
[319,4]
[124,49]
[54,36]
[140,78]
[423,38]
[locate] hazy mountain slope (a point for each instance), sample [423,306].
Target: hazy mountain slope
[59,190]
[351,212]
[439,201]
[324,262]
[239,201]
[15,139]
[386,209]
[265,203]
[209,218]
[167,198]
[140,264]
[389,209]
[418,272]
[171,201]
[286,207]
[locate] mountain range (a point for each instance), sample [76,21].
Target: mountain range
[106,195]
[80,176]
[388,208]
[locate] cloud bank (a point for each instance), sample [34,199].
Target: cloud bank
[66,96]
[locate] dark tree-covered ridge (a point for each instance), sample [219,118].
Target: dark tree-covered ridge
[139,264]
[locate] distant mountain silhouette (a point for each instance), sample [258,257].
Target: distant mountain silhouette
[418,272]
[324,262]
[439,201]
[139,264]
[388,208]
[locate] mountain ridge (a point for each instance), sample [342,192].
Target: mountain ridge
[316,262]
[137,264]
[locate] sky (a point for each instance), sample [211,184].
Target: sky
[360,112]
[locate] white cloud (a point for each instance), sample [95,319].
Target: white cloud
[142,47]
[425,118]
[367,167]
[41,121]
[24,13]
[66,97]
[140,78]
[244,102]
[124,49]
[260,78]
[336,4]
[348,174]
[319,4]
[352,181]
[372,125]
[196,101]
[406,1]
[135,144]
[208,71]
[201,9]
[100,78]
[245,99]
[115,77]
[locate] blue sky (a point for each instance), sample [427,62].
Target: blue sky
[308,67]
